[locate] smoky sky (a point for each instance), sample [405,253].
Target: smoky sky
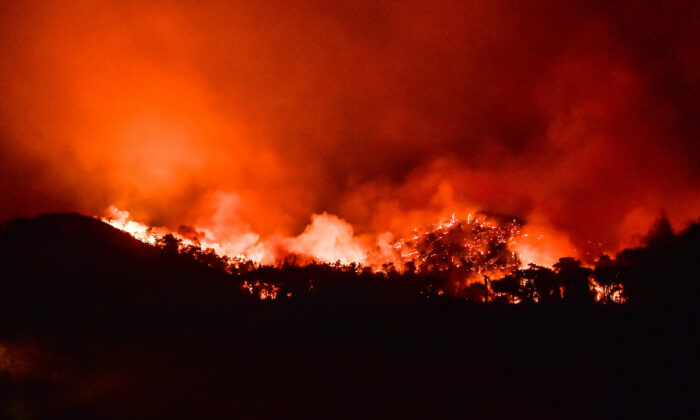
[579,115]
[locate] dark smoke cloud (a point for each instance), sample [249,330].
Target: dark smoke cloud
[579,115]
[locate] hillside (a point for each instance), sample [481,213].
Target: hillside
[96,324]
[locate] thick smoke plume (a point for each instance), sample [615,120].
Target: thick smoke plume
[244,119]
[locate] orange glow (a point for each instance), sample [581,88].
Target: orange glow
[614,295]
[335,130]
[120,219]
[326,239]
[330,239]
[262,290]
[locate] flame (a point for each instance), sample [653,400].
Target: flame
[468,250]
[461,241]
[121,219]
[327,238]
[330,239]
[614,293]
[263,290]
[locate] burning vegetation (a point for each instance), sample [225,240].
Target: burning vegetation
[463,251]
[475,258]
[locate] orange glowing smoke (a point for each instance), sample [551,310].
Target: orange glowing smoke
[333,129]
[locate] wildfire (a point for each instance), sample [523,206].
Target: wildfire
[476,245]
[121,219]
[326,239]
[262,290]
[613,293]
[478,242]
[463,251]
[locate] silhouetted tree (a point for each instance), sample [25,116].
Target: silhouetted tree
[169,244]
[574,278]
[517,285]
[509,285]
[666,269]
[545,283]
[660,234]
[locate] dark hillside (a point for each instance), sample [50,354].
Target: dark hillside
[72,271]
[94,324]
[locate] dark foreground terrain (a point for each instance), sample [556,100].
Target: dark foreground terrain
[94,324]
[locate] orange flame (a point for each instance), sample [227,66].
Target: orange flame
[330,239]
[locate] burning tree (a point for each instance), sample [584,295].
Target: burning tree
[454,255]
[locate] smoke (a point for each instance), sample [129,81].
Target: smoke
[328,238]
[243,120]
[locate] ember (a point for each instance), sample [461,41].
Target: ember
[478,245]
